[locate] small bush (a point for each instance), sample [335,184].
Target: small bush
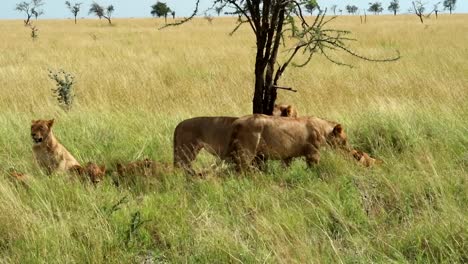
[64,88]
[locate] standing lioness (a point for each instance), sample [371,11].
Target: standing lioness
[282,138]
[49,153]
[192,135]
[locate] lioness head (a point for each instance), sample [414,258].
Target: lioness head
[284,110]
[96,173]
[338,138]
[40,130]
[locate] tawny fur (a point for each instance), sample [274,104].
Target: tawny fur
[282,138]
[48,152]
[284,110]
[18,177]
[146,168]
[193,135]
[92,172]
[364,158]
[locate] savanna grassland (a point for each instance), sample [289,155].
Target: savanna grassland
[134,83]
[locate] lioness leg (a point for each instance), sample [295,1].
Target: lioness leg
[286,162]
[243,155]
[184,155]
[312,155]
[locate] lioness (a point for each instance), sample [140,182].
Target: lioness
[192,135]
[284,110]
[282,138]
[91,172]
[49,153]
[364,158]
[18,177]
[146,167]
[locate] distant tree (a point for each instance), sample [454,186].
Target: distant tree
[160,9]
[74,8]
[173,14]
[419,9]
[450,5]
[31,9]
[436,10]
[37,12]
[375,7]
[218,10]
[394,7]
[209,18]
[101,11]
[333,9]
[351,9]
[34,31]
[341,11]
[311,6]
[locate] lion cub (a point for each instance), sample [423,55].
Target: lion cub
[91,172]
[49,153]
[364,158]
[284,110]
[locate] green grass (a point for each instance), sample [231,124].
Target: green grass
[134,84]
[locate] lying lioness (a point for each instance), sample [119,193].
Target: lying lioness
[282,138]
[18,177]
[284,110]
[146,168]
[364,158]
[91,172]
[49,153]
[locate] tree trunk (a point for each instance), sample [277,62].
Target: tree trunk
[394,12]
[259,88]
[75,20]
[270,91]
[26,22]
[260,64]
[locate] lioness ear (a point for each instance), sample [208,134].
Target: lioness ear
[103,168]
[289,110]
[50,123]
[337,129]
[33,122]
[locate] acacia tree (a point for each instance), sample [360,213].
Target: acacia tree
[272,22]
[74,8]
[419,9]
[31,9]
[311,6]
[450,5]
[101,11]
[351,9]
[436,10]
[160,9]
[375,7]
[394,7]
[333,9]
